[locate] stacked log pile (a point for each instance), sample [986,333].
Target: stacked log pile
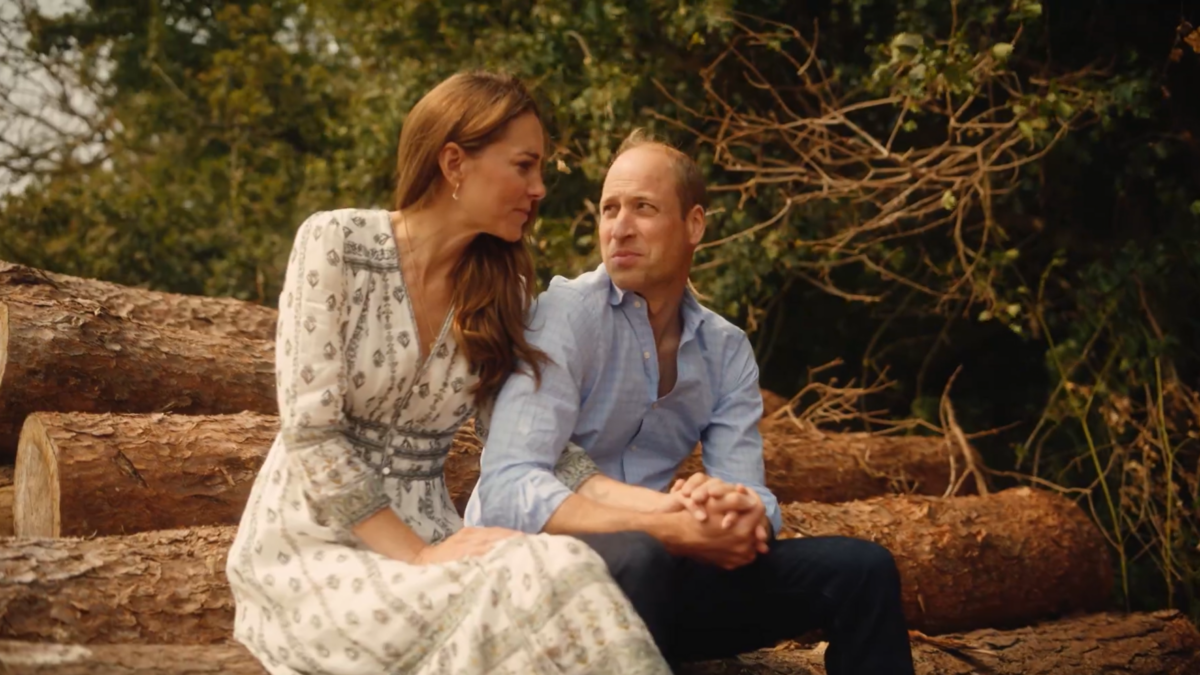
[139,420]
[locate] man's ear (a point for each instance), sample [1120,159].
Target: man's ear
[451,160]
[696,224]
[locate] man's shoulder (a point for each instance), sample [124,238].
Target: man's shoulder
[584,295]
[720,333]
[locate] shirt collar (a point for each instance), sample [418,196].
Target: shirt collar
[691,309]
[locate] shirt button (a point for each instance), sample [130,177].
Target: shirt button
[646,355]
[654,405]
[633,448]
[637,303]
[387,470]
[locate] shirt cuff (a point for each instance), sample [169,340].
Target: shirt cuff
[347,508]
[574,467]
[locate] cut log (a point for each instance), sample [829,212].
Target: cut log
[1002,560]
[462,466]
[807,465]
[216,316]
[6,511]
[71,356]
[6,501]
[83,474]
[1162,643]
[164,587]
[1006,559]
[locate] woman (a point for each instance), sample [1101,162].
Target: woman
[394,328]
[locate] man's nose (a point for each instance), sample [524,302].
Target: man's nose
[623,225]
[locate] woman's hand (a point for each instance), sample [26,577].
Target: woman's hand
[466,543]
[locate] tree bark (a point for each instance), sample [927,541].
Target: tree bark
[164,587]
[87,474]
[71,356]
[216,316]
[84,474]
[1001,560]
[806,465]
[6,501]
[1162,643]
[1159,643]
[6,511]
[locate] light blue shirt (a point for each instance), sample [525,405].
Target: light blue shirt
[601,391]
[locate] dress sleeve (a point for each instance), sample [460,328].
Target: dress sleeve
[311,382]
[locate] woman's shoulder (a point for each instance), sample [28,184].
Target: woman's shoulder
[346,222]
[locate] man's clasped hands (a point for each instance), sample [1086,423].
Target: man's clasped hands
[727,526]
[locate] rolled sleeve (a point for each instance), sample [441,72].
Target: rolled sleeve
[732,444]
[311,382]
[531,425]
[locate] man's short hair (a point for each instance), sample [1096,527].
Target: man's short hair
[689,182]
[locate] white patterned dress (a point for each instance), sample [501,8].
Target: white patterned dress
[366,423]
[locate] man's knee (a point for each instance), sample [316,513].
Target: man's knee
[850,563]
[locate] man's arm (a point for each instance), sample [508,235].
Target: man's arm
[731,442]
[530,423]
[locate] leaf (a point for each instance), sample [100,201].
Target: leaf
[908,40]
[1196,208]
[949,201]
[985,315]
[1002,50]
[1190,35]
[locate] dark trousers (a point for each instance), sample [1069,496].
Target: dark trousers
[847,587]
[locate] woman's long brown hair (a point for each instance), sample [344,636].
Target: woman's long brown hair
[494,280]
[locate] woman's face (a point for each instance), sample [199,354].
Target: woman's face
[502,183]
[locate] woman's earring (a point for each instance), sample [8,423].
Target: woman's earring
[455,195]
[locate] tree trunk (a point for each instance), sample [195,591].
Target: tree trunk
[1001,560]
[83,474]
[215,316]
[156,587]
[1162,643]
[806,465]
[71,356]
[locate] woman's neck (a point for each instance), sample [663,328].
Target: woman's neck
[434,239]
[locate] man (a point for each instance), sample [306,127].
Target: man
[640,372]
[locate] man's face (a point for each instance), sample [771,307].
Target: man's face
[645,240]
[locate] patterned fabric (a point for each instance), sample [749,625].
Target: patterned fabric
[601,393]
[366,423]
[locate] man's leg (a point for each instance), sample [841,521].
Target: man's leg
[848,587]
[646,573]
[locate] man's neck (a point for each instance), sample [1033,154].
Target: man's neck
[664,309]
